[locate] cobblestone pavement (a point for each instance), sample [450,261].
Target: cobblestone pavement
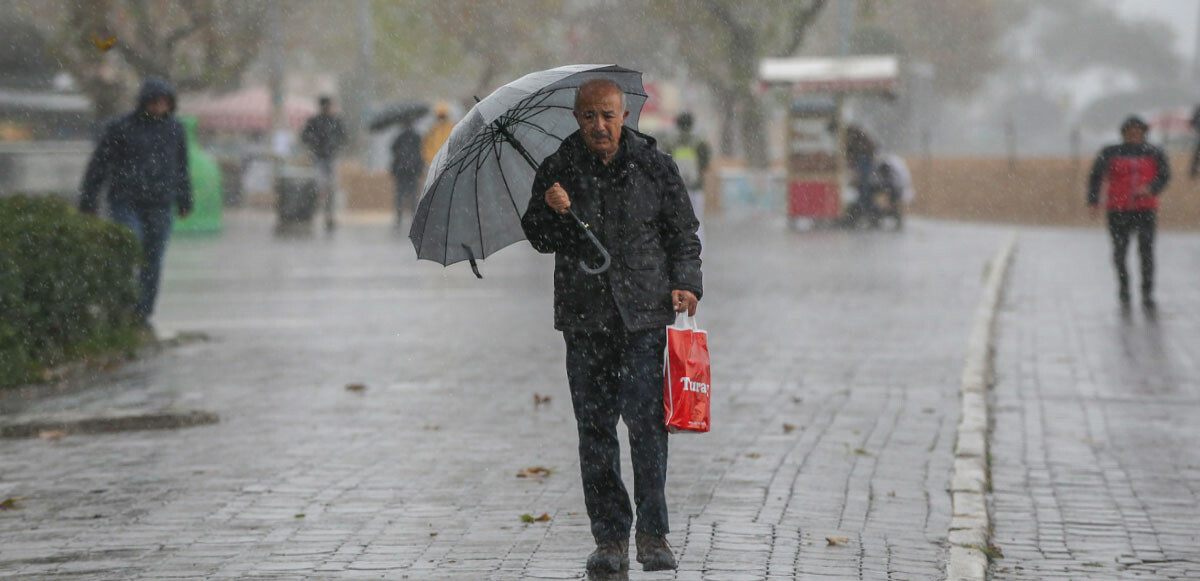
[836,365]
[1095,468]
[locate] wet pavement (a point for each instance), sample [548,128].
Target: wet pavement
[1095,465]
[836,356]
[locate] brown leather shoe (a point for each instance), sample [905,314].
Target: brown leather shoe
[654,553]
[609,557]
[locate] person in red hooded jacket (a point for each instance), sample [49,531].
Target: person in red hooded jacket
[1133,175]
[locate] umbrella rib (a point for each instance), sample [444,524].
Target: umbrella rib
[449,214]
[508,190]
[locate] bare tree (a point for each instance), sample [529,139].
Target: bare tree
[722,42]
[107,45]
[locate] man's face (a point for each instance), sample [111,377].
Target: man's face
[1134,134]
[600,116]
[158,107]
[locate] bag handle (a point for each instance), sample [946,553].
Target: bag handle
[684,322]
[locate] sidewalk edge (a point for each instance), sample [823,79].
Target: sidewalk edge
[970,526]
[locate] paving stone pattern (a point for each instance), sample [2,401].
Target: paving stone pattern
[1095,467]
[855,341]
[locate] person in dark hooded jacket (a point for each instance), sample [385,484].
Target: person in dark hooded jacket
[633,199]
[141,160]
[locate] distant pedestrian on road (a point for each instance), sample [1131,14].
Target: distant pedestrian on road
[1194,171]
[634,200]
[437,134]
[691,154]
[1134,173]
[142,159]
[325,135]
[406,167]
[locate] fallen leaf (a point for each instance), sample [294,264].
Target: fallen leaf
[788,428]
[796,399]
[927,410]
[528,518]
[104,44]
[355,387]
[11,503]
[835,541]
[892,494]
[433,534]
[534,472]
[51,434]
[432,427]
[861,452]
[539,399]
[754,455]
[300,515]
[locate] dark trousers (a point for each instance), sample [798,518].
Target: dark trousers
[1121,225]
[152,227]
[619,374]
[406,189]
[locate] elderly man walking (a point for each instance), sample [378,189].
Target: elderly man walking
[633,199]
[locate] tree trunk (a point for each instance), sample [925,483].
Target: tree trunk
[754,140]
[728,123]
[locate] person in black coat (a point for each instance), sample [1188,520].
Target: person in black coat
[407,165]
[142,159]
[633,199]
[325,135]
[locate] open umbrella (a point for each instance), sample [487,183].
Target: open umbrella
[479,182]
[398,113]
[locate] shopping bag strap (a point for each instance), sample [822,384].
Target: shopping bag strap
[683,321]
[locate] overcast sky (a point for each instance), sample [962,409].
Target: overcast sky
[1181,15]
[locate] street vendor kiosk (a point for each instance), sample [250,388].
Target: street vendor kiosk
[818,177]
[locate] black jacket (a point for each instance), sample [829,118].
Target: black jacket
[406,155]
[324,135]
[638,207]
[141,159]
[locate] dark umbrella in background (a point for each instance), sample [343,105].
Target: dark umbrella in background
[478,184]
[398,113]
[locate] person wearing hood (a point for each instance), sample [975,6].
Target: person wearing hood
[633,199]
[325,135]
[1132,174]
[141,160]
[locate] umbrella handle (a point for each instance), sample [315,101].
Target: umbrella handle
[596,242]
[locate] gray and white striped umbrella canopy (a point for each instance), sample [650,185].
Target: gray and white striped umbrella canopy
[478,184]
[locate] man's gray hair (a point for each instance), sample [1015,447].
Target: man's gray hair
[599,83]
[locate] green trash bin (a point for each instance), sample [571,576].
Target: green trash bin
[206,187]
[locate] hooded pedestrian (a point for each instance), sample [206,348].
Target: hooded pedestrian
[325,135]
[633,199]
[691,154]
[141,158]
[1132,174]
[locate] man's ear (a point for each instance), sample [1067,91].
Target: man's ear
[625,116]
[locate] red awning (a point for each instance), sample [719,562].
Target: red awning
[246,110]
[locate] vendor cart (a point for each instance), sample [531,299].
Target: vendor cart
[817,169]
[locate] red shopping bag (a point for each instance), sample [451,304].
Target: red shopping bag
[686,377]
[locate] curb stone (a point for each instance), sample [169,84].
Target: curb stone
[104,424]
[970,525]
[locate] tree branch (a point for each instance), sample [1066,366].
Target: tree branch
[801,21]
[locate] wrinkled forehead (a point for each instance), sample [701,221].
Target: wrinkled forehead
[600,96]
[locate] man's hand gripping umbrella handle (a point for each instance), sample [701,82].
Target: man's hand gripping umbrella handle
[508,136]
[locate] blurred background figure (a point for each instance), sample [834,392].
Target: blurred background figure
[894,183]
[692,155]
[860,156]
[1194,171]
[1133,174]
[325,135]
[407,164]
[437,134]
[142,160]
